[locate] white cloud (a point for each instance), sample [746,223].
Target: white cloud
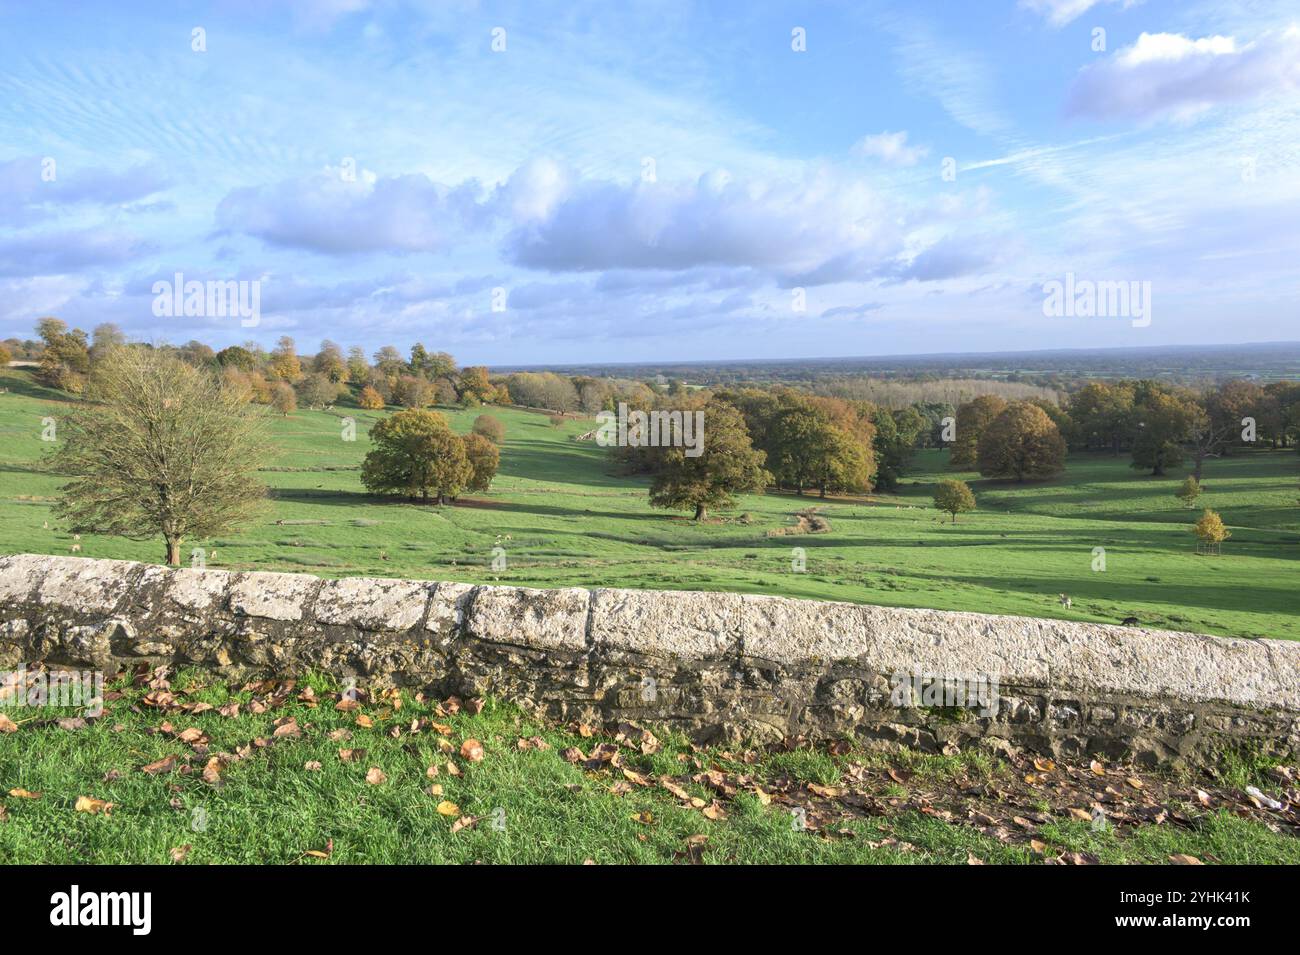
[326,213]
[1168,74]
[1061,12]
[891,149]
[825,228]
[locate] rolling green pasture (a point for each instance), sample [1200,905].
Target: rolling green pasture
[563,519]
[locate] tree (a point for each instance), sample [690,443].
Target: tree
[6,356]
[474,387]
[370,399]
[484,459]
[318,391]
[1102,415]
[893,447]
[236,357]
[1021,442]
[329,362]
[727,465]
[104,339]
[65,359]
[972,418]
[283,398]
[490,427]
[284,361]
[388,362]
[1163,424]
[164,448]
[414,452]
[1189,492]
[954,497]
[1210,529]
[413,392]
[358,367]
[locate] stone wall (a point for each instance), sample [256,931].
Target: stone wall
[717,665]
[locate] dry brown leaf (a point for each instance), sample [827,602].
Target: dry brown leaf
[179,853]
[714,811]
[446,808]
[1181,859]
[1081,814]
[24,794]
[472,750]
[93,806]
[7,725]
[645,817]
[364,721]
[1044,765]
[464,822]
[161,766]
[312,765]
[375,776]
[1134,782]
[1097,768]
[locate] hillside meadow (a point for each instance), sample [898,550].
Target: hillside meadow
[562,518]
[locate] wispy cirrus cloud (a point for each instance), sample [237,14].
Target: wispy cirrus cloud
[1060,12]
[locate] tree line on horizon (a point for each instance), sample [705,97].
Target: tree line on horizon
[755,437]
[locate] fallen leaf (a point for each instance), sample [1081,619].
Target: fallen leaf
[161,766]
[472,750]
[7,725]
[446,808]
[24,794]
[180,852]
[93,806]
[312,765]
[1134,782]
[1097,768]
[1081,814]
[645,817]
[1044,765]
[1181,859]
[375,776]
[364,721]
[714,811]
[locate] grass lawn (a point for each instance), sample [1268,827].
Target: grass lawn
[192,781]
[564,520]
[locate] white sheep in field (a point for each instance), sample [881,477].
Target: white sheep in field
[76,548]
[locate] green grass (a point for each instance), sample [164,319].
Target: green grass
[532,805]
[565,520]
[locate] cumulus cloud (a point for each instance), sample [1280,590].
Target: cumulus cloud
[1167,74]
[327,213]
[823,227]
[891,149]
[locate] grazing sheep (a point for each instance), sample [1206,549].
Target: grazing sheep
[76,548]
[1066,602]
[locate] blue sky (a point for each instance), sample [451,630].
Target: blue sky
[644,181]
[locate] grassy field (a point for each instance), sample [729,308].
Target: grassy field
[192,780]
[564,519]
